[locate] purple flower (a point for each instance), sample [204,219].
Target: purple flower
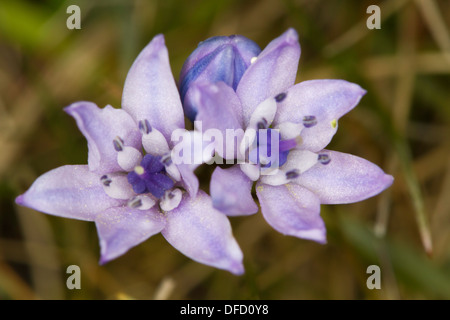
[216,59]
[131,196]
[295,174]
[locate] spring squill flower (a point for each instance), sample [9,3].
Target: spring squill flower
[131,196]
[293,124]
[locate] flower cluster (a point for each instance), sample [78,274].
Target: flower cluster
[132,187]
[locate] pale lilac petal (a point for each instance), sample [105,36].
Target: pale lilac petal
[230,191]
[70,192]
[292,210]
[326,101]
[273,72]
[150,92]
[187,155]
[203,234]
[189,179]
[219,116]
[122,228]
[218,106]
[345,179]
[101,127]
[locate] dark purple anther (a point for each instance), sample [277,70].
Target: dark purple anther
[145,127]
[309,121]
[280,97]
[118,144]
[105,180]
[292,174]
[324,158]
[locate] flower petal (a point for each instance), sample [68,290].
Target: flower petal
[218,106]
[122,228]
[230,191]
[70,192]
[345,179]
[273,72]
[188,153]
[189,179]
[292,210]
[150,92]
[203,234]
[101,127]
[319,104]
[219,113]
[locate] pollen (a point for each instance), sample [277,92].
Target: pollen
[139,170]
[333,123]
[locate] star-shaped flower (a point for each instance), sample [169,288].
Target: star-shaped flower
[284,129]
[131,194]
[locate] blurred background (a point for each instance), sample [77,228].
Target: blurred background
[401,124]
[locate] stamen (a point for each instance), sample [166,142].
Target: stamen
[166,160]
[253,60]
[262,124]
[309,121]
[251,170]
[280,97]
[105,180]
[141,202]
[171,200]
[155,143]
[129,158]
[171,168]
[292,174]
[144,126]
[135,203]
[118,144]
[116,186]
[265,110]
[324,158]
[290,130]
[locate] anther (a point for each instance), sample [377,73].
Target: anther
[280,97]
[145,127]
[118,144]
[171,168]
[252,60]
[324,158]
[262,124]
[309,121]
[134,202]
[292,174]
[141,202]
[171,200]
[105,180]
[166,160]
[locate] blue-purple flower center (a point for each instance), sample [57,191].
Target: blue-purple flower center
[270,149]
[150,177]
